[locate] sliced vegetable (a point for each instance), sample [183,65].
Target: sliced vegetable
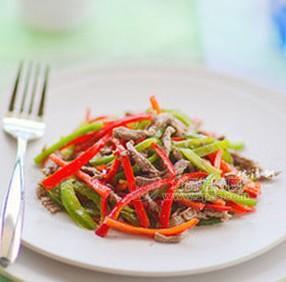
[180,116]
[145,144]
[73,207]
[63,173]
[126,228]
[127,167]
[199,162]
[155,105]
[67,139]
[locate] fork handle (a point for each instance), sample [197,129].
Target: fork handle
[11,221]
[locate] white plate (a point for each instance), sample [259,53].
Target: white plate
[237,109]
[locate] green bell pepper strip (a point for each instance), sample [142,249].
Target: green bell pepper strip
[127,212]
[198,161]
[55,197]
[140,124]
[210,148]
[226,156]
[185,119]
[206,190]
[181,195]
[193,142]
[211,192]
[74,208]
[86,128]
[237,146]
[145,144]
[82,189]
[230,196]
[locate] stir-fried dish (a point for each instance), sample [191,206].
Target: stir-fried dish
[156,173]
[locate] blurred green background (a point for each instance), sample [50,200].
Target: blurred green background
[235,37]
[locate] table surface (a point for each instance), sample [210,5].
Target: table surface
[233,37]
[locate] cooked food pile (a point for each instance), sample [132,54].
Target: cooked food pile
[155,174]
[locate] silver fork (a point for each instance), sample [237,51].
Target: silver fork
[24,124]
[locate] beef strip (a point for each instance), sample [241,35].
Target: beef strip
[265,174]
[49,168]
[129,134]
[192,186]
[142,180]
[166,139]
[46,201]
[144,164]
[168,239]
[152,204]
[244,164]
[165,119]
[252,169]
[92,171]
[106,150]
[180,217]
[180,166]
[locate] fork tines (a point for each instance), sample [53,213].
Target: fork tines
[29,89]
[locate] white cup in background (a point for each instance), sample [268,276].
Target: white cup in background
[54,15]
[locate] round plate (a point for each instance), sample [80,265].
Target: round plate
[237,109]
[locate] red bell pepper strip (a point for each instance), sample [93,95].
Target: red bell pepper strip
[63,173]
[225,167]
[94,184]
[155,105]
[80,139]
[239,209]
[162,154]
[192,204]
[103,207]
[177,138]
[253,189]
[215,158]
[128,171]
[87,140]
[233,179]
[112,171]
[127,228]
[217,207]
[168,201]
[167,205]
[220,202]
[109,127]
[138,193]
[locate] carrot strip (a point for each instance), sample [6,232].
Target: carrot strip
[225,167]
[217,207]
[127,228]
[192,204]
[155,105]
[238,208]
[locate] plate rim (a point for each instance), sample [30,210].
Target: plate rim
[61,81]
